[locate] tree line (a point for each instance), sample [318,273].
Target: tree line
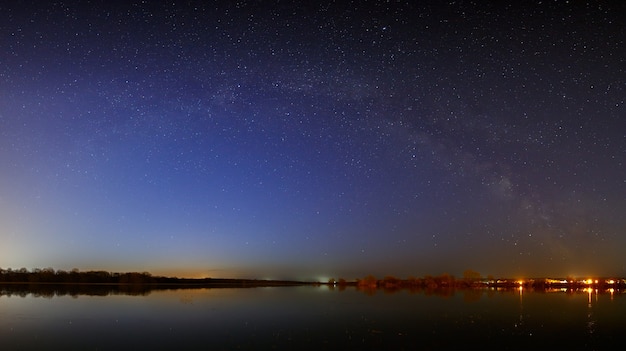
[445,280]
[473,279]
[49,275]
[470,279]
[74,276]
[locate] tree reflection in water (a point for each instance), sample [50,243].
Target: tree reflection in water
[74,290]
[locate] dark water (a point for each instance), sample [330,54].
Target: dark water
[310,318]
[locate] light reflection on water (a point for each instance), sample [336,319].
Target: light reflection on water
[310,317]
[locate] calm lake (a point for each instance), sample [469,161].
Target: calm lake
[309,318]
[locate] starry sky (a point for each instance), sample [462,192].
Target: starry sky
[307,140]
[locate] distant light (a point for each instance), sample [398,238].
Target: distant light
[322,279]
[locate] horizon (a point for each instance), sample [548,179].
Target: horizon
[305,140]
[324,278]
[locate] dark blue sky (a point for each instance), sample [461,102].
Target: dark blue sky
[292,140]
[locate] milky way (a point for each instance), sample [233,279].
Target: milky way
[291,140]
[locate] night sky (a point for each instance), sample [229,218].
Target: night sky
[310,140]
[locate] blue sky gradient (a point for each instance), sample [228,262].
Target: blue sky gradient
[282,140]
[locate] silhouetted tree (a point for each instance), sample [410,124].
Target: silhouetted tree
[445,280]
[391,282]
[62,276]
[471,278]
[369,281]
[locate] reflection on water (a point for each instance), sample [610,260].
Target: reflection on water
[306,317]
[52,290]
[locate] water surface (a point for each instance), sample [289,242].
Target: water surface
[309,318]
